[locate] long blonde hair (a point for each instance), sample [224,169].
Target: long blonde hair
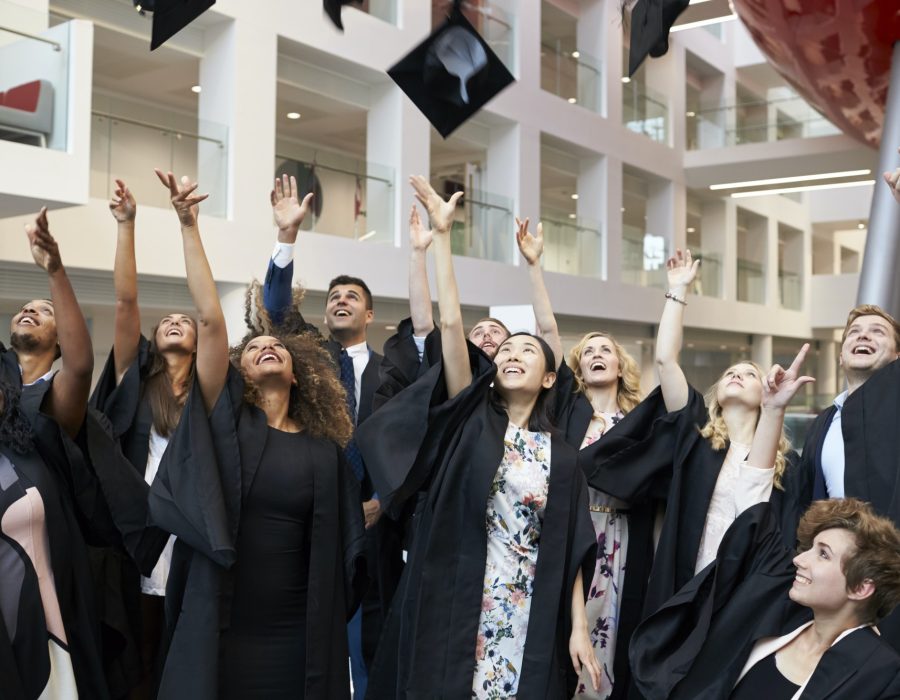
[628,388]
[716,431]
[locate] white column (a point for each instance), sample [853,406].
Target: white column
[591,210]
[613,178]
[762,351]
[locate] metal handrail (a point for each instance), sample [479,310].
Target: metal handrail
[164,129]
[329,168]
[55,44]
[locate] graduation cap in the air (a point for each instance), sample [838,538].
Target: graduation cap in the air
[171,16]
[651,21]
[452,74]
[333,10]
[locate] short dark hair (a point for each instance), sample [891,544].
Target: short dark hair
[347,279]
[876,556]
[542,418]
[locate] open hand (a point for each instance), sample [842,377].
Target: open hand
[419,237]
[781,384]
[582,654]
[439,211]
[43,246]
[681,269]
[287,208]
[531,247]
[122,204]
[893,181]
[184,201]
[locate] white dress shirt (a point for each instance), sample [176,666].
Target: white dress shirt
[833,451]
[359,353]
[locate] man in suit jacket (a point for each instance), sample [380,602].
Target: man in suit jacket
[349,310]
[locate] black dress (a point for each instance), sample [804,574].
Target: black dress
[764,680]
[265,647]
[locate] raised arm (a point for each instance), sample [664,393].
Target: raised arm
[779,387]
[681,272]
[419,294]
[532,247]
[457,371]
[128,317]
[212,337]
[68,397]
[288,212]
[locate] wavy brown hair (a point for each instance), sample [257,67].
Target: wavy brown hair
[716,431]
[628,389]
[165,405]
[318,402]
[876,555]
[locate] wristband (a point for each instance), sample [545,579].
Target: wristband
[671,296]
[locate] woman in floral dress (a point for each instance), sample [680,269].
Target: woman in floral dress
[504,545]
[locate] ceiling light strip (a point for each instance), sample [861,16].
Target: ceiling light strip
[702,23]
[783,180]
[807,188]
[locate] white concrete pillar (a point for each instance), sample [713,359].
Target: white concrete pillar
[826,369]
[613,233]
[762,351]
[592,211]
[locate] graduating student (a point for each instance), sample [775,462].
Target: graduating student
[53,500]
[852,449]
[348,313]
[266,567]
[764,621]
[504,543]
[709,462]
[142,391]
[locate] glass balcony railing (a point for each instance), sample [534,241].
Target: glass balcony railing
[790,290]
[493,19]
[573,75]
[385,10]
[573,246]
[645,111]
[751,282]
[34,81]
[789,117]
[353,198]
[484,227]
[129,149]
[708,282]
[643,257]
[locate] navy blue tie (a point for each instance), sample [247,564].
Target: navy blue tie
[348,379]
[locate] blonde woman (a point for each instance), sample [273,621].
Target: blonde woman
[708,462]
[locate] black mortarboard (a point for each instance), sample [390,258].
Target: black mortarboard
[333,10]
[171,16]
[651,21]
[452,74]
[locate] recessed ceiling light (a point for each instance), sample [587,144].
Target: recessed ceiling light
[690,114]
[807,188]
[293,115]
[576,54]
[196,88]
[574,195]
[572,216]
[691,229]
[723,347]
[626,79]
[390,328]
[860,225]
[783,180]
[623,210]
[572,100]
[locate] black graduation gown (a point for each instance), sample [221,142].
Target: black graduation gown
[204,475]
[870,423]
[672,462]
[696,645]
[573,417]
[89,499]
[453,449]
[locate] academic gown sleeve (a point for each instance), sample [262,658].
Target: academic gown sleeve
[401,443]
[635,461]
[119,401]
[196,494]
[697,643]
[401,365]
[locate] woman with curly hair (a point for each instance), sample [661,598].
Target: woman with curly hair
[266,567]
[708,463]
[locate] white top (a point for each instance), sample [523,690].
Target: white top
[155,584]
[833,451]
[283,254]
[738,487]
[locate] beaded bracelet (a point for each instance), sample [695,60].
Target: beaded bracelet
[671,296]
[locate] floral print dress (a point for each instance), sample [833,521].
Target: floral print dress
[603,602]
[515,511]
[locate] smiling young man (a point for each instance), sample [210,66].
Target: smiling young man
[348,312]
